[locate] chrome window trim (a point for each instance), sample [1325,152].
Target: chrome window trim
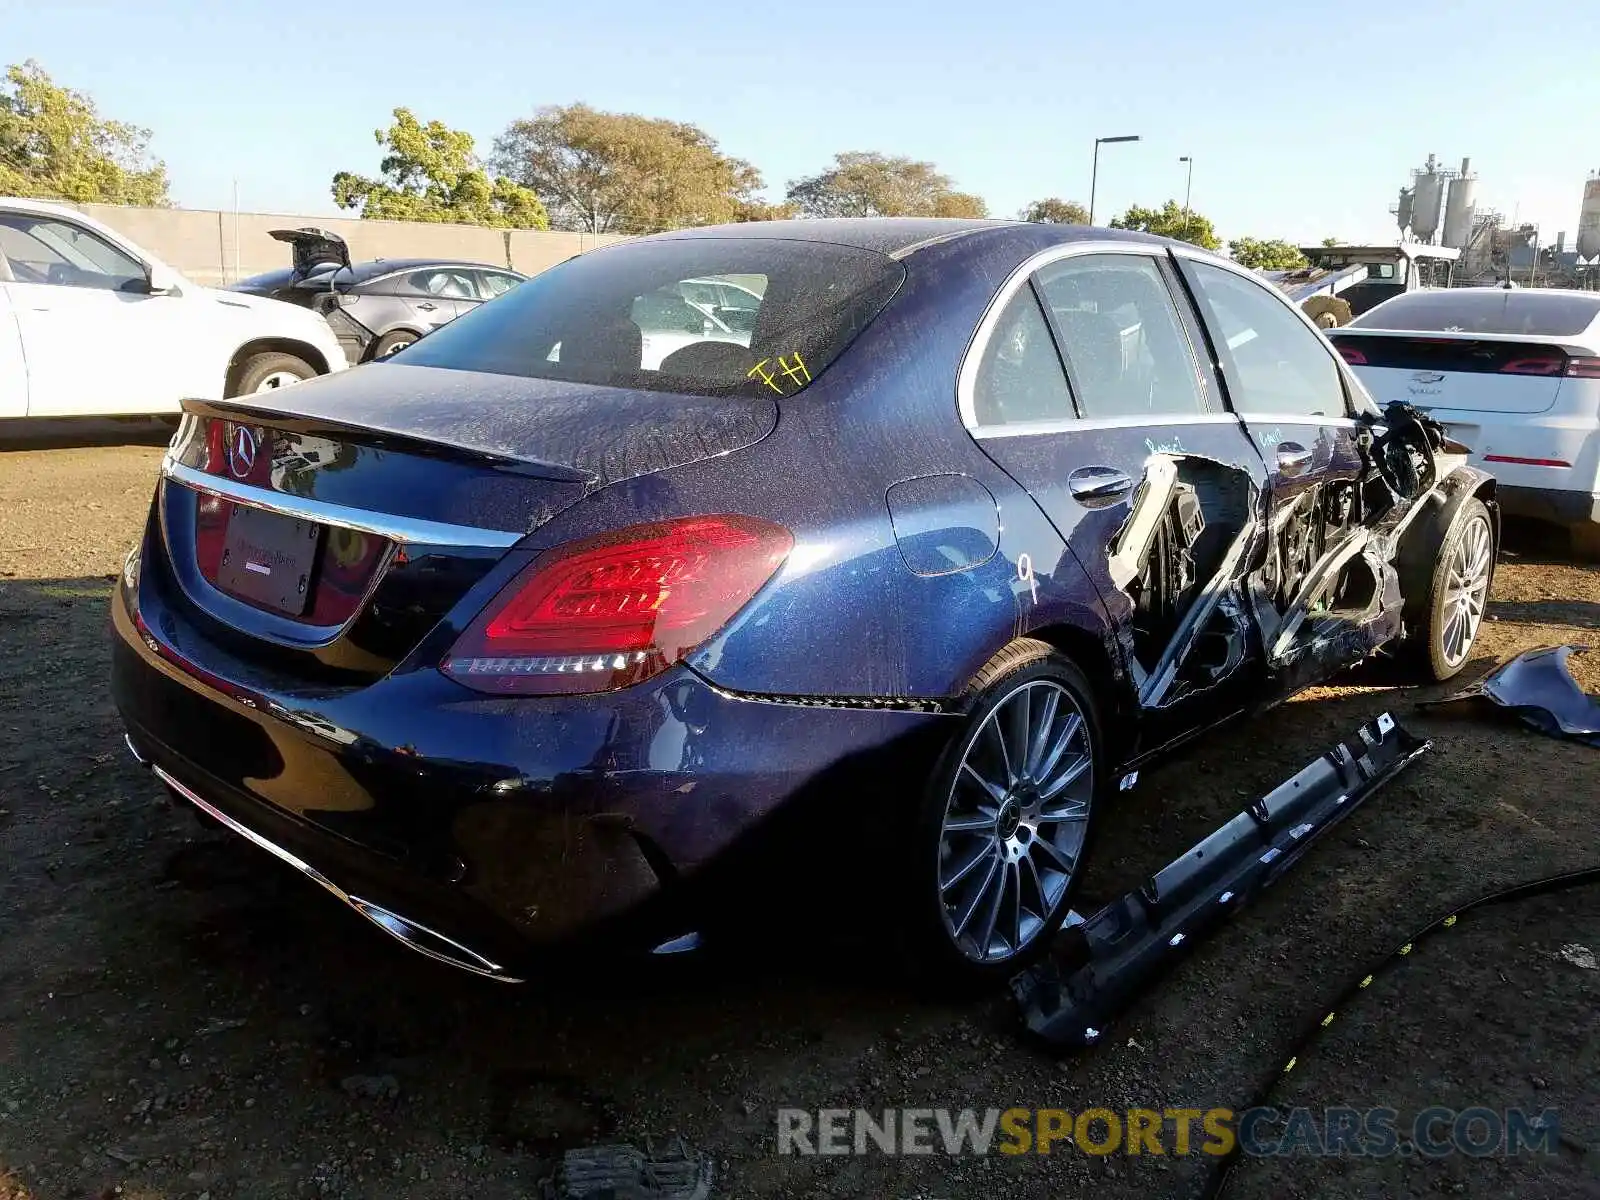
[966,378]
[1296,418]
[405,530]
[1091,424]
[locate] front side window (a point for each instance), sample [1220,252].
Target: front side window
[653,314]
[1020,378]
[1123,339]
[46,250]
[1274,362]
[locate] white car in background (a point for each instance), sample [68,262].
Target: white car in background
[1513,373]
[91,325]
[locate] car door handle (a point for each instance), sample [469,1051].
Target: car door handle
[1292,458]
[427,306]
[1096,487]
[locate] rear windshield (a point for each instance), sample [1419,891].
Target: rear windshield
[1501,311]
[705,316]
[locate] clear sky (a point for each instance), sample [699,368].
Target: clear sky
[1304,119]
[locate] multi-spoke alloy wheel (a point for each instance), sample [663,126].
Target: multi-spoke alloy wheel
[1466,589]
[1015,821]
[1450,612]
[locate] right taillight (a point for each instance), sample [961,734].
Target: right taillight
[1534,365]
[1583,368]
[612,610]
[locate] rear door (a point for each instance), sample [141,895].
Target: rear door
[1086,386]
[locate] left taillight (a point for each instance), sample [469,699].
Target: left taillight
[609,611]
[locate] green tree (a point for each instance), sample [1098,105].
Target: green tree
[608,172]
[1054,211]
[430,173]
[869,184]
[1331,241]
[760,210]
[1170,221]
[55,144]
[1266,254]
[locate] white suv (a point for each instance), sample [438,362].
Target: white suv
[91,325]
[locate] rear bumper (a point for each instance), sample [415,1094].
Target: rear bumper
[498,824]
[1550,504]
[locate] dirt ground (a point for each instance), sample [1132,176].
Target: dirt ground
[180,1017]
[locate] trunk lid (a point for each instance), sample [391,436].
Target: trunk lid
[324,536]
[1458,370]
[313,248]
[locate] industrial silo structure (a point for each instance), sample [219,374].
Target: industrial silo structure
[1427,199]
[1589,221]
[1402,211]
[1460,207]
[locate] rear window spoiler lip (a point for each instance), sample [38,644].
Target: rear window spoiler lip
[245,413]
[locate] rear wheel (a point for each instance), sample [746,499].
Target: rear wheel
[393,343]
[1004,823]
[269,372]
[1459,591]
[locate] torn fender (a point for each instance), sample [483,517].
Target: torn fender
[1538,687]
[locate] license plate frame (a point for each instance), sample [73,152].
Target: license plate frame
[268,559]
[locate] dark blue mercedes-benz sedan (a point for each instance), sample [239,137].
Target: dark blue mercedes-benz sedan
[512,640]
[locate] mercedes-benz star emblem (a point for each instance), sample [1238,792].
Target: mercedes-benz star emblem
[242,451]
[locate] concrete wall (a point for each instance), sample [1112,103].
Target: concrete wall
[220,247]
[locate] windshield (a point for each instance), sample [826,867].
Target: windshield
[705,316]
[1500,311]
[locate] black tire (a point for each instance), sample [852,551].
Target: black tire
[393,342]
[260,369]
[1434,653]
[937,957]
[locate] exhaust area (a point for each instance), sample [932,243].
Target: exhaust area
[412,934]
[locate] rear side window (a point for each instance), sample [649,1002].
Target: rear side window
[1502,311]
[1272,361]
[704,316]
[1127,348]
[1020,378]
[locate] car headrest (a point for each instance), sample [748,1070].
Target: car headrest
[725,363]
[613,345]
[1094,347]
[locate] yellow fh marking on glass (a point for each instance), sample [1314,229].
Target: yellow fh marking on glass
[1289,1066]
[795,372]
[1449,921]
[1327,1020]
[1406,949]
[1367,981]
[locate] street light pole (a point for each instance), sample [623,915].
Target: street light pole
[1094,171]
[1188,188]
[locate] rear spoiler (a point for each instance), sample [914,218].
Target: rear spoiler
[313,248]
[241,412]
